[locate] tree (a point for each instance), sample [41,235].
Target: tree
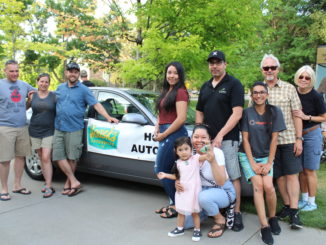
[290,33]
[89,39]
[187,31]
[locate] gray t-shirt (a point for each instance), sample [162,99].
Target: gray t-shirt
[42,121]
[13,102]
[260,128]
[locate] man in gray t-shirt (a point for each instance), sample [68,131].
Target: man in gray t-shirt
[14,138]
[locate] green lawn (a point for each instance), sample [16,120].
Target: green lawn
[313,219]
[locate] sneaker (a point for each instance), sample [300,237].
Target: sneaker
[302,204]
[196,235]
[238,225]
[295,222]
[230,216]
[283,213]
[266,235]
[275,227]
[309,207]
[176,232]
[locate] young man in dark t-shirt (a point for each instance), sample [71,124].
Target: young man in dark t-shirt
[220,105]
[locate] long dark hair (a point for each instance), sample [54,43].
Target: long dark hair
[179,142]
[169,102]
[269,109]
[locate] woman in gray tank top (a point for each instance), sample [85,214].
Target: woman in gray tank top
[41,128]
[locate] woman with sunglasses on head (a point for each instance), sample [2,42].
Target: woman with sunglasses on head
[260,126]
[172,106]
[312,114]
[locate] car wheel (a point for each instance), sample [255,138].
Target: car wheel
[33,167]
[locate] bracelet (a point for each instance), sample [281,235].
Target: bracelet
[309,118]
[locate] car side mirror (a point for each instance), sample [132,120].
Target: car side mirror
[134,118]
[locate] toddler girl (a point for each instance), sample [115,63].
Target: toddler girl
[187,171]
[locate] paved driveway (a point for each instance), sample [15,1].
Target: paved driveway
[113,212]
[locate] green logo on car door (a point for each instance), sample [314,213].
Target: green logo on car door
[103,138]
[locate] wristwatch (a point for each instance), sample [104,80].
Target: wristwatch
[299,138]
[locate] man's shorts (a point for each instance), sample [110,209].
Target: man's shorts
[230,149]
[67,145]
[246,167]
[38,143]
[14,142]
[286,163]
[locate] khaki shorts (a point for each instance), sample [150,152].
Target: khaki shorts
[38,143]
[14,142]
[230,150]
[67,145]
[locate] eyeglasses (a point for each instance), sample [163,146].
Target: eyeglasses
[273,68]
[306,78]
[259,92]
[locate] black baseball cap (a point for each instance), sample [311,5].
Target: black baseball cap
[73,65]
[216,54]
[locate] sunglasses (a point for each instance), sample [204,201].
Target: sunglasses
[273,68]
[306,78]
[259,92]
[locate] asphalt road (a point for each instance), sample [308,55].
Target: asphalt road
[113,212]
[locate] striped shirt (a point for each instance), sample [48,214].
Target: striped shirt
[284,96]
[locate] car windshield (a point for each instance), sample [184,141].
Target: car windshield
[149,100]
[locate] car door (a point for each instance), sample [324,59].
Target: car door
[125,148]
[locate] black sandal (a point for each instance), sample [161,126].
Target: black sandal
[220,227]
[169,213]
[162,210]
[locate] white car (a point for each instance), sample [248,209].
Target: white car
[125,150]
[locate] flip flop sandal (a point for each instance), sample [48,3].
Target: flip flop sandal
[22,191]
[221,227]
[48,192]
[169,213]
[74,191]
[43,189]
[4,195]
[162,210]
[66,191]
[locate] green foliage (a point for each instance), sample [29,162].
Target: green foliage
[319,27]
[165,31]
[187,31]
[289,38]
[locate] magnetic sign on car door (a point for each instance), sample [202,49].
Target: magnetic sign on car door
[103,138]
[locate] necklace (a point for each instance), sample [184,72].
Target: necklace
[186,162]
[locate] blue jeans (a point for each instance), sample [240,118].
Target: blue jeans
[165,158]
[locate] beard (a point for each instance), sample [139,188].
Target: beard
[270,77]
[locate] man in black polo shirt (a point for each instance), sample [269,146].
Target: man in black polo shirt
[85,81]
[220,105]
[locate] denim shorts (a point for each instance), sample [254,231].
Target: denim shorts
[312,147]
[246,167]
